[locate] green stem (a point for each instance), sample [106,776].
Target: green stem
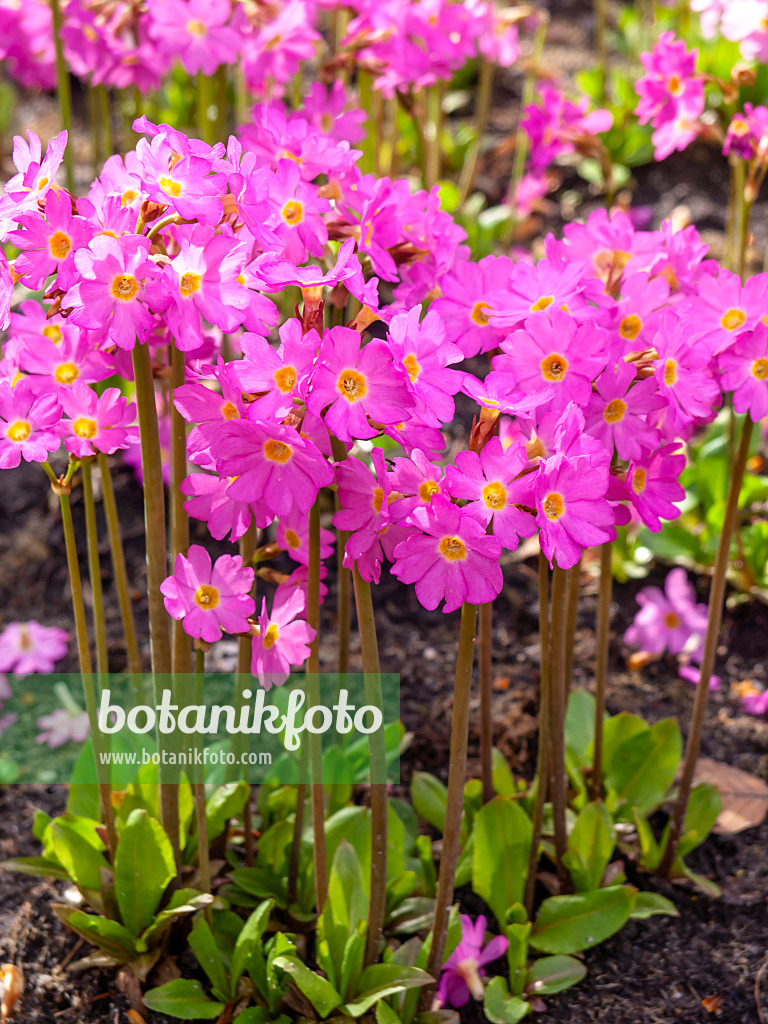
[543,769]
[181,653]
[521,138]
[482,109]
[432,137]
[94,570]
[601,45]
[602,639]
[86,669]
[63,92]
[105,118]
[557,684]
[313,698]
[203,845]
[457,772]
[204,123]
[572,611]
[244,650]
[485,666]
[373,697]
[222,103]
[121,575]
[714,620]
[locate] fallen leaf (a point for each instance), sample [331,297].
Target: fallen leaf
[11,987]
[744,797]
[135,1018]
[639,660]
[712,1003]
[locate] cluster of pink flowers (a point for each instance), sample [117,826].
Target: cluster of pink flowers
[404,44]
[671,95]
[741,21]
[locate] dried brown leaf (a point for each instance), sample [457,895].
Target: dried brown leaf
[11,987]
[744,796]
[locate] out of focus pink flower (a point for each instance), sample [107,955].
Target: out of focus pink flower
[27,647]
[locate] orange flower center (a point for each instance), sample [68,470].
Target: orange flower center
[229,412]
[189,284]
[84,427]
[293,212]
[292,539]
[271,636]
[59,244]
[196,28]
[278,451]
[53,332]
[733,319]
[170,187]
[452,549]
[543,303]
[554,367]
[671,621]
[411,365]
[614,411]
[478,314]
[351,384]
[427,489]
[638,480]
[66,373]
[630,327]
[128,197]
[554,506]
[124,287]
[378,498]
[494,496]
[207,597]
[760,369]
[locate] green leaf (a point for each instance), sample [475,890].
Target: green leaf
[9,771]
[385,1014]
[352,824]
[502,1008]
[184,999]
[649,903]
[430,798]
[650,851]
[501,774]
[704,805]
[700,881]
[502,834]
[568,924]
[347,903]
[77,854]
[352,961]
[249,936]
[204,946]
[319,991]
[144,866]
[109,936]
[554,974]
[42,866]
[227,802]
[616,731]
[643,768]
[382,980]
[183,901]
[580,724]
[594,839]
[518,934]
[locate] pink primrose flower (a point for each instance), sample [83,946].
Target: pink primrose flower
[209,598]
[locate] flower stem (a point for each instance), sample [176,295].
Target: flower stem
[601,45]
[94,570]
[203,846]
[457,771]
[89,686]
[121,575]
[313,698]
[542,767]
[557,691]
[572,611]
[482,108]
[181,650]
[529,91]
[373,697]
[485,664]
[714,620]
[204,123]
[63,92]
[105,117]
[244,648]
[601,665]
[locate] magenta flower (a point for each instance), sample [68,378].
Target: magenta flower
[463,970]
[273,463]
[326,109]
[98,423]
[756,703]
[352,384]
[6,292]
[669,620]
[185,185]
[276,376]
[492,484]
[669,90]
[209,501]
[209,410]
[551,287]
[745,372]
[63,726]
[653,485]
[452,559]
[725,308]
[284,639]
[209,598]
[617,411]
[195,31]
[36,174]
[464,306]
[27,647]
[116,277]
[684,376]
[557,124]
[57,365]
[297,220]
[48,245]
[28,425]
[363,497]
[417,480]
[639,310]
[292,535]
[424,354]
[572,511]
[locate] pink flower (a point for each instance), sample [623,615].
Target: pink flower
[572,511]
[363,497]
[209,501]
[745,372]
[297,221]
[352,384]
[756,703]
[639,310]
[558,123]
[98,423]
[669,620]
[48,245]
[27,647]
[418,480]
[549,287]
[62,726]
[195,31]
[292,535]
[209,598]
[115,275]
[424,354]
[57,365]
[28,425]
[284,639]
[653,486]
[185,185]
[724,308]
[669,89]
[35,176]
[463,304]
[273,463]
[276,376]
[452,559]
[617,411]
[492,483]
[683,373]
[463,970]
[326,109]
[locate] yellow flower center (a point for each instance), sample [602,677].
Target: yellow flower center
[614,411]
[670,372]
[19,431]
[170,187]
[760,369]
[229,412]
[278,451]
[84,427]
[42,183]
[196,28]
[671,621]
[189,284]
[739,127]
[638,480]
[494,496]
[207,597]
[128,197]
[427,489]
[293,212]
[675,85]
[124,287]
[66,373]
[292,539]
[271,636]
[452,549]
[411,366]
[478,314]
[351,384]
[326,123]
[554,367]
[59,244]
[543,303]
[25,640]
[630,327]
[286,379]
[53,332]
[733,319]
[554,506]
[378,499]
